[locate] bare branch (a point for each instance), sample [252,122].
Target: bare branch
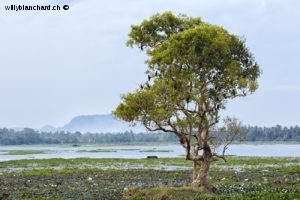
[220,156]
[230,132]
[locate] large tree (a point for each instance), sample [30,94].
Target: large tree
[193,69]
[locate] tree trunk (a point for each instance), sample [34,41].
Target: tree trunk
[202,179]
[194,170]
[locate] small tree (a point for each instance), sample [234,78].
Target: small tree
[193,69]
[231,131]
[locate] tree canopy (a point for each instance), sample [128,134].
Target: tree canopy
[193,69]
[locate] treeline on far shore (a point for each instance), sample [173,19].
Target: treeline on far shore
[31,136]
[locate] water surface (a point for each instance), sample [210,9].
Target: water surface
[139,151]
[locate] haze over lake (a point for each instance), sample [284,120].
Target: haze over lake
[139,151]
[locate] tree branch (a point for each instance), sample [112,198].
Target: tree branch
[220,156]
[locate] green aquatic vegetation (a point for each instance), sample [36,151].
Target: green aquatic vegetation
[25,162]
[24,152]
[286,169]
[155,150]
[49,178]
[233,164]
[99,150]
[42,199]
[225,191]
[51,172]
[130,149]
[257,164]
[99,163]
[244,160]
[39,172]
[255,188]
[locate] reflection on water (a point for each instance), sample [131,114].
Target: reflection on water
[136,152]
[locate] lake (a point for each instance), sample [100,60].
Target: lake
[139,151]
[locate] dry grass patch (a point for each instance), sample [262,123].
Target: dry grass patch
[165,193]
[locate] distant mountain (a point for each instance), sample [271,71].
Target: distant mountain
[97,124]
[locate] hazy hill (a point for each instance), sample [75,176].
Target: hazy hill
[96,124]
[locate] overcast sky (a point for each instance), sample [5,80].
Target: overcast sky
[56,65]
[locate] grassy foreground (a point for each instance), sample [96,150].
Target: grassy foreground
[163,178]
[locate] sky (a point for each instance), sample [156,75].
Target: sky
[56,65]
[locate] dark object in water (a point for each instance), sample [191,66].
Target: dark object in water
[152,156]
